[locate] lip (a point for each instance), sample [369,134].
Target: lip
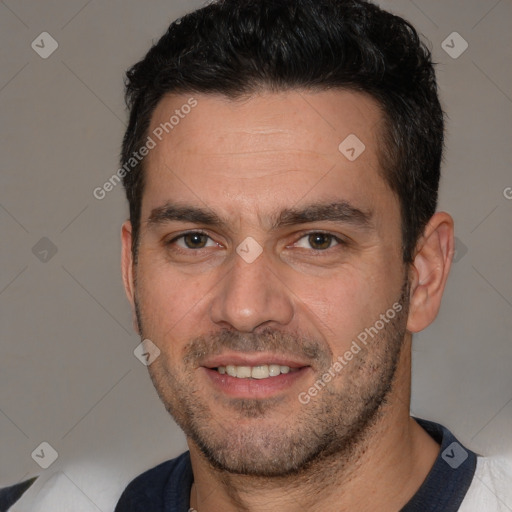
[256,359]
[254,388]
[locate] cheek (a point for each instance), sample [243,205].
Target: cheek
[333,305]
[169,300]
[343,305]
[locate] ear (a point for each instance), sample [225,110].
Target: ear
[127,269]
[429,271]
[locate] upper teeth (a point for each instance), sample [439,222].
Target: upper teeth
[256,372]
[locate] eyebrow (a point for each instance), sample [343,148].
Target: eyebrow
[337,211]
[172,212]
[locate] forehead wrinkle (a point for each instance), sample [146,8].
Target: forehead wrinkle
[289,157]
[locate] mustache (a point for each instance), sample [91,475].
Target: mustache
[267,340]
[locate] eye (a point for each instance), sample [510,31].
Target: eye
[318,241]
[193,240]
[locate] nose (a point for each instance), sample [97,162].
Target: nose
[251,295]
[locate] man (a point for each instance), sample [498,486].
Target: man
[281,164]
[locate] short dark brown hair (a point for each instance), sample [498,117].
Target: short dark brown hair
[238,47]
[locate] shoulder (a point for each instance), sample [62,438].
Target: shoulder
[491,488]
[149,488]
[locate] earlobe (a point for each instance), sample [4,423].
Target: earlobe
[127,268]
[430,269]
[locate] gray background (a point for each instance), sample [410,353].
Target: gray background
[68,375]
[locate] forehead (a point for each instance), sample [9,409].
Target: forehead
[270,149]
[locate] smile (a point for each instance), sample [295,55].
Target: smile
[263,371]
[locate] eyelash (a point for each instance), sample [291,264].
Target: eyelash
[334,238]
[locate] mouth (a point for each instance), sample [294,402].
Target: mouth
[263,371]
[257,376]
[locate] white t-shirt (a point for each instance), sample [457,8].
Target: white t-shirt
[491,488]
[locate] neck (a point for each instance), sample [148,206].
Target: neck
[382,470]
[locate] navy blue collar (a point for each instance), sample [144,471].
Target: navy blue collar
[166,487]
[445,486]
[10,495]
[447,483]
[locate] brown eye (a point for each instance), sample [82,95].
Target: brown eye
[193,240]
[320,241]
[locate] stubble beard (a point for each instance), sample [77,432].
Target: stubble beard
[249,440]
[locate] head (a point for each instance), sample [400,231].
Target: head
[285,205]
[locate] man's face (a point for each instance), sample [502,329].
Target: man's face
[265,250]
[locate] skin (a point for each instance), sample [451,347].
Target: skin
[246,161]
